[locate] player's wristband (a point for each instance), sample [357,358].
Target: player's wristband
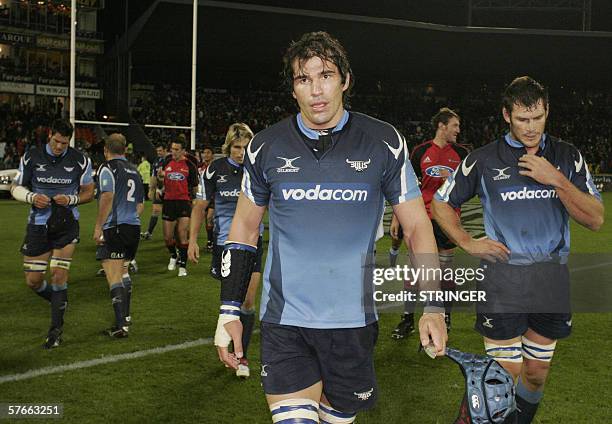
[230,311]
[237,264]
[23,194]
[73,199]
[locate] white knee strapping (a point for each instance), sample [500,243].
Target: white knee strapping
[508,353]
[539,352]
[331,416]
[63,263]
[295,410]
[34,266]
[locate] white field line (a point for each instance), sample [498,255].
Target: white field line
[104,360]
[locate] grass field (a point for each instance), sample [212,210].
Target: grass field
[189,384]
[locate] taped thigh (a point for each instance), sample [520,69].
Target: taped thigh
[34,266]
[329,415]
[508,353]
[62,263]
[295,411]
[538,352]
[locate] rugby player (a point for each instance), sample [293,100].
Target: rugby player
[207,158]
[221,183]
[117,229]
[323,174]
[54,179]
[433,162]
[530,183]
[180,176]
[155,192]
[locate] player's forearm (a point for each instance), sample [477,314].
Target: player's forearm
[140,208]
[197,216]
[22,194]
[104,208]
[582,207]
[86,193]
[449,221]
[245,225]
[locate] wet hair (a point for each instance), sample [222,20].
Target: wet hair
[317,44]
[524,91]
[62,127]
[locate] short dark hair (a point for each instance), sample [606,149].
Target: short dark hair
[208,148]
[180,140]
[524,91]
[443,115]
[62,127]
[317,44]
[115,143]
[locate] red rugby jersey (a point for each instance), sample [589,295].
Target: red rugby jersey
[433,164]
[180,179]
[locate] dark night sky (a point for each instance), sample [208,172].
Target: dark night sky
[233,43]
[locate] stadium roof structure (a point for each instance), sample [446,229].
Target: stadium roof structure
[243,42]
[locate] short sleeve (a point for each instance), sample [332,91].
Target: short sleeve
[106,180]
[254,184]
[399,183]
[87,175]
[24,173]
[207,186]
[581,177]
[461,185]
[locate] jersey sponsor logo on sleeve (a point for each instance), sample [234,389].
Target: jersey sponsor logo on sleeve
[439,171]
[84,164]
[288,166]
[209,174]
[527,193]
[26,161]
[467,169]
[325,192]
[359,165]
[395,151]
[501,174]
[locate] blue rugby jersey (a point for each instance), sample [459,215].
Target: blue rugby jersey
[323,216]
[43,172]
[519,212]
[120,177]
[221,182]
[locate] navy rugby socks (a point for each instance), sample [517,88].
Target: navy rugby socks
[44,291]
[117,294]
[59,302]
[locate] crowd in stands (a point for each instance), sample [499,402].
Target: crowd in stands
[578,116]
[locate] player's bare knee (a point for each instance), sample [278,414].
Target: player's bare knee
[295,411]
[34,272]
[536,372]
[35,280]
